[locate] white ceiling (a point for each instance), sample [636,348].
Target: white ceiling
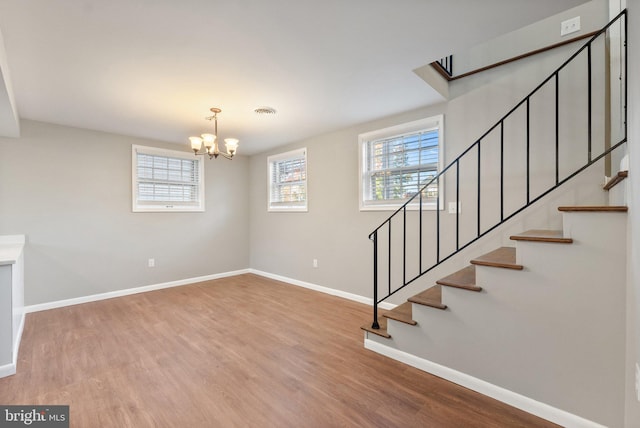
[152,68]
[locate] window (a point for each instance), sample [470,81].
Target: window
[166,180]
[288,181]
[396,162]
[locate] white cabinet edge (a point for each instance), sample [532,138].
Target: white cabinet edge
[11,247]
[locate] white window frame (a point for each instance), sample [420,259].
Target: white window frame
[279,206]
[427,124]
[165,206]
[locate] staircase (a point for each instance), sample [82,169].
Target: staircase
[551,305]
[539,322]
[502,258]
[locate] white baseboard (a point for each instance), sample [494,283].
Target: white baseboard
[7,370]
[511,398]
[136,290]
[16,345]
[10,369]
[128,291]
[322,289]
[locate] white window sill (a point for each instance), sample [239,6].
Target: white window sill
[288,210]
[395,207]
[168,209]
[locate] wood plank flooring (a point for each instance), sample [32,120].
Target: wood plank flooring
[244,351]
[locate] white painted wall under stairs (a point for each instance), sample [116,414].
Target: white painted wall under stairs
[548,339]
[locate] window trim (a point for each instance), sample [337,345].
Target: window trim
[292,154]
[176,207]
[395,131]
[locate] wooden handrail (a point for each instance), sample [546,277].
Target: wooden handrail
[621,175]
[444,74]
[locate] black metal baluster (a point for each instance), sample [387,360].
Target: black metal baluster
[404,245]
[589,102]
[502,170]
[375,324]
[458,204]
[557,129]
[420,237]
[389,273]
[625,73]
[528,152]
[478,226]
[447,64]
[438,221]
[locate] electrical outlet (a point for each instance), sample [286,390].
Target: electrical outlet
[315,263]
[454,208]
[570,26]
[152,263]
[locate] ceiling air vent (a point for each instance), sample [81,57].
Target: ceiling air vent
[265,110]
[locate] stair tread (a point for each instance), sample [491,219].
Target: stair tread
[382,331]
[429,297]
[621,175]
[595,208]
[402,313]
[538,235]
[503,257]
[464,278]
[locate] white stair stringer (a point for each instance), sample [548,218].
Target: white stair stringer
[618,194]
[552,333]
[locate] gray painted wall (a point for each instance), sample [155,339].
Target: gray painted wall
[335,232]
[69,191]
[632,416]
[593,16]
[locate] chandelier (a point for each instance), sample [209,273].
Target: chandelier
[210,141]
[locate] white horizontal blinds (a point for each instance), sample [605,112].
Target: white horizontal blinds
[397,167]
[288,180]
[166,179]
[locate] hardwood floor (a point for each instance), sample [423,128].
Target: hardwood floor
[244,351]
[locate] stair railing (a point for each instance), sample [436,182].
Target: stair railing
[446,64]
[471,164]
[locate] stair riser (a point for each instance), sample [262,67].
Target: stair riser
[618,195]
[594,228]
[566,264]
